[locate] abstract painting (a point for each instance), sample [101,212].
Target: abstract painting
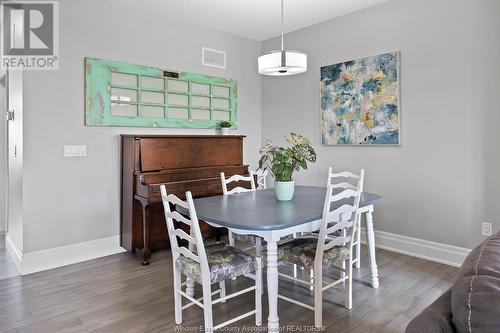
[360,101]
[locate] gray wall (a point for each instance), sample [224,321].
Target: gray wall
[443,181]
[70,200]
[487,101]
[15,92]
[439,185]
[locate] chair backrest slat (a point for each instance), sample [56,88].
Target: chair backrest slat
[344,185]
[344,174]
[345,194]
[337,241]
[176,201]
[340,210]
[339,226]
[196,248]
[186,253]
[179,218]
[333,233]
[183,235]
[237,178]
[239,189]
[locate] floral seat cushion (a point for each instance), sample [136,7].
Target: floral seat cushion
[247,238]
[224,262]
[302,251]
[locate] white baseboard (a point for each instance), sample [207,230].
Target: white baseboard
[70,254]
[415,247]
[15,253]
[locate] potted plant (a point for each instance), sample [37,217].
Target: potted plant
[283,162]
[224,126]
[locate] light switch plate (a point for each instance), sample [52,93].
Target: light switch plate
[75,150]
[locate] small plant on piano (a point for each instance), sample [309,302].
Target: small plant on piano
[282,162]
[224,126]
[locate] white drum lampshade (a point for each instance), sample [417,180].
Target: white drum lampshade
[284,62]
[281,63]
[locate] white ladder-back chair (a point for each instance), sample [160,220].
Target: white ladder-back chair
[238,189]
[339,181]
[261,179]
[253,240]
[206,266]
[332,247]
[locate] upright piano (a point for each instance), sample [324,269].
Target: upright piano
[181,163]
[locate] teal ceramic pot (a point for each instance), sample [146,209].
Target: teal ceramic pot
[284,190]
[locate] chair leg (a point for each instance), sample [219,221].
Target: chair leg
[222,286]
[190,282]
[342,273]
[230,237]
[348,287]
[258,255]
[358,244]
[258,293]
[177,297]
[258,247]
[311,278]
[295,267]
[207,308]
[318,299]
[190,287]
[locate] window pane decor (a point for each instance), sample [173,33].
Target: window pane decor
[121,94]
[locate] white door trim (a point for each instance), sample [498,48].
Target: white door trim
[4,158]
[14,252]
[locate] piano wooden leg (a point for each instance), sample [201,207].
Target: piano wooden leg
[146,251]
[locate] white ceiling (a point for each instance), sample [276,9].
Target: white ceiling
[254,19]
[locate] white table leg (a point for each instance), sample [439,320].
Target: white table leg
[272,286]
[370,239]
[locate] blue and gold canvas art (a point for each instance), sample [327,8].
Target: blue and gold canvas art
[360,101]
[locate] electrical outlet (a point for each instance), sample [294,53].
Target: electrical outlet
[75,151]
[486,229]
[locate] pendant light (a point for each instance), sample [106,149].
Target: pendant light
[281,63]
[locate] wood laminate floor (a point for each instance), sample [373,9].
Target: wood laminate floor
[117,294]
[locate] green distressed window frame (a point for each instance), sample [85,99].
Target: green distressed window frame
[98,86]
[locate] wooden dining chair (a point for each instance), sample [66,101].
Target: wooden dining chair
[206,265]
[332,247]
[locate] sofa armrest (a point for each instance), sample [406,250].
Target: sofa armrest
[436,318]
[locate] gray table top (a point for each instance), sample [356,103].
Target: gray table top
[259,210]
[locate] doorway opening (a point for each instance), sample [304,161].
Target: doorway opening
[10,173]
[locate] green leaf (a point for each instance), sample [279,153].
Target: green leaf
[284,161]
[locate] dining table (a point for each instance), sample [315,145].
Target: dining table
[259,213]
